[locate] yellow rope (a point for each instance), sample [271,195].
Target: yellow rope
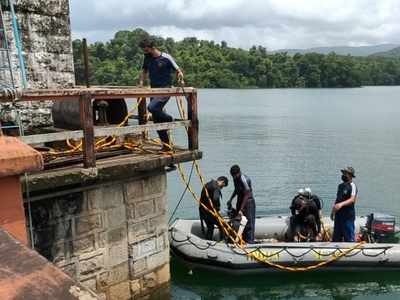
[227,228]
[241,244]
[100,144]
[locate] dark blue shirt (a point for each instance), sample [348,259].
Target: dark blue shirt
[344,192]
[159,69]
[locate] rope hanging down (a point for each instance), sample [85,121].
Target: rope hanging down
[229,232]
[232,234]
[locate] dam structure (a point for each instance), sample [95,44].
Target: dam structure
[95,203]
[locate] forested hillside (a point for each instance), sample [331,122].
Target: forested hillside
[208,64]
[391,53]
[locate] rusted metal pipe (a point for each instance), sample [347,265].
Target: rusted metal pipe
[86,62]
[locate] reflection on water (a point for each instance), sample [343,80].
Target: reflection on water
[316,285]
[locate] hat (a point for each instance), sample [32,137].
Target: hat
[308,190]
[349,170]
[300,191]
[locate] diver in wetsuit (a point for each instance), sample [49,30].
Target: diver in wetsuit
[210,198]
[245,203]
[305,222]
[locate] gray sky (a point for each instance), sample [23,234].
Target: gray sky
[274,24]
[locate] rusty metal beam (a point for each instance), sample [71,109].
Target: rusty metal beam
[86,114]
[193,130]
[142,111]
[86,62]
[97,93]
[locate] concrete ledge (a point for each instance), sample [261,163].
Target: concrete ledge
[24,274]
[17,158]
[111,169]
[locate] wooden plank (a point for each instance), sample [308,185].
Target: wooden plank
[138,129]
[86,114]
[97,93]
[100,131]
[52,137]
[193,130]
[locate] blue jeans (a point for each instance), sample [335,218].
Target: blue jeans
[343,230]
[156,106]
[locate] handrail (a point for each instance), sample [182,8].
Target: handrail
[95,92]
[85,96]
[100,131]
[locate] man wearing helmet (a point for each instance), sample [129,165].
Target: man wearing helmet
[305,222]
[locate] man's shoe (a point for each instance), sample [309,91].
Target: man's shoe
[170,168]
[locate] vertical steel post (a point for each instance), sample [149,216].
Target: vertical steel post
[86,62]
[193,132]
[86,115]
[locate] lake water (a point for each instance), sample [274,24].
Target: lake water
[286,139]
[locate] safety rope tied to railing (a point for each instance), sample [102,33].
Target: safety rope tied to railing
[229,232]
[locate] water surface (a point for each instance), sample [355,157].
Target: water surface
[285,139]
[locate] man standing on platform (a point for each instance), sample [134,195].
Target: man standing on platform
[343,212]
[245,204]
[158,66]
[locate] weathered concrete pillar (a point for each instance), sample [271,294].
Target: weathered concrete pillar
[47,50]
[110,233]
[16,158]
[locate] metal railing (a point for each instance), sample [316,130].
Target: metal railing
[89,132]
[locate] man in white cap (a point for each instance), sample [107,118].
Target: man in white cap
[343,212]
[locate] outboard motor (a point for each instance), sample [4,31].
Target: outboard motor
[381,228]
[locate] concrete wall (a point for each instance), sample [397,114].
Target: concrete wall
[46,39]
[112,238]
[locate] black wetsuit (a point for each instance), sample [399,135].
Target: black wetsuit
[243,188]
[214,193]
[307,216]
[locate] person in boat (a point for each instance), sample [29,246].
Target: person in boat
[343,212]
[210,198]
[245,203]
[158,66]
[305,220]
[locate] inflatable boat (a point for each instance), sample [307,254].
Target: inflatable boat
[271,253]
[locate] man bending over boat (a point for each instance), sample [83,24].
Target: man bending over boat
[343,212]
[210,197]
[305,222]
[245,204]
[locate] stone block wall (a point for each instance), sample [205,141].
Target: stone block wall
[46,40]
[112,237]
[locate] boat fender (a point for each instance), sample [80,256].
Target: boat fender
[243,222]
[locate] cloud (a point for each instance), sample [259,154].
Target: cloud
[271,23]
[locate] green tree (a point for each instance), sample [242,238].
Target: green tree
[216,65]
